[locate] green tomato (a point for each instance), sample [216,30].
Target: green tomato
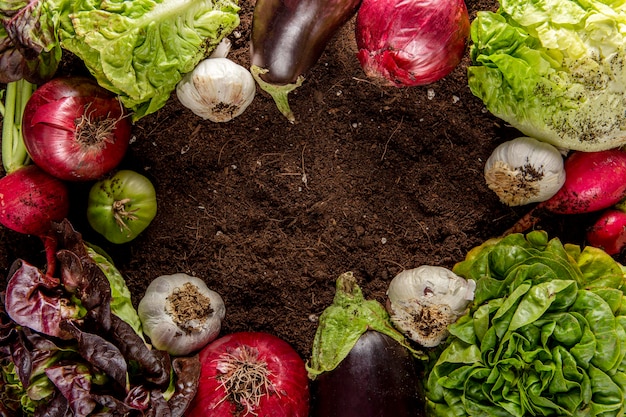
[122,206]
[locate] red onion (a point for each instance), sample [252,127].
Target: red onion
[30,200]
[75,130]
[411,42]
[250,374]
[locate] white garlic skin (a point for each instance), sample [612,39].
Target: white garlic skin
[159,325]
[424,301]
[524,171]
[218,89]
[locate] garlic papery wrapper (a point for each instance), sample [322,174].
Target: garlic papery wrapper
[524,171]
[424,301]
[180,314]
[218,89]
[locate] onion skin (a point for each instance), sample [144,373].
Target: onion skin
[378,378]
[609,232]
[288,378]
[406,43]
[50,125]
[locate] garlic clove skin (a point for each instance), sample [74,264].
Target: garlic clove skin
[218,89]
[524,171]
[180,314]
[424,301]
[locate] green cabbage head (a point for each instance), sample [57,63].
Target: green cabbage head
[545,335]
[554,69]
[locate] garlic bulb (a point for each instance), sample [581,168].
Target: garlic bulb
[218,89]
[424,301]
[180,314]
[524,171]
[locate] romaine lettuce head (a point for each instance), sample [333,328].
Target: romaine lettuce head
[554,69]
[141,49]
[545,334]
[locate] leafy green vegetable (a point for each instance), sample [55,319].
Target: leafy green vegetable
[141,49]
[554,69]
[342,324]
[14,154]
[545,334]
[121,302]
[29,48]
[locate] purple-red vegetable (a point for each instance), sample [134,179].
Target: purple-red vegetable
[75,130]
[411,42]
[250,374]
[378,378]
[30,200]
[288,38]
[73,353]
[609,232]
[593,181]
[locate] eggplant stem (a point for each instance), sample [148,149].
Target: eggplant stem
[278,92]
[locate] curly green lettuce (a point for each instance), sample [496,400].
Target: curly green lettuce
[545,335]
[554,69]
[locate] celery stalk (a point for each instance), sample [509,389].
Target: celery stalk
[14,154]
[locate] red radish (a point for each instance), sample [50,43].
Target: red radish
[30,200]
[75,130]
[251,374]
[593,181]
[411,42]
[609,232]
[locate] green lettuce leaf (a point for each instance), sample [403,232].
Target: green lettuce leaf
[121,301]
[344,322]
[554,69]
[141,49]
[545,335]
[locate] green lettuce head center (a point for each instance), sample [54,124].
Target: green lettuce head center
[545,335]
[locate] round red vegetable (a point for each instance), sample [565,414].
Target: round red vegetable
[30,200]
[609,232]
[593,181]
[411,42]
[251,374]
[75,130]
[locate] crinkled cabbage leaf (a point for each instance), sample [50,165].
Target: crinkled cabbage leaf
[545,335]
[141,49]
[554,69]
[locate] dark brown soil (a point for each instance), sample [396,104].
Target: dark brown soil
[371,180]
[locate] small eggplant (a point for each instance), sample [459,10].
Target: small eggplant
[288,38]
[378,378]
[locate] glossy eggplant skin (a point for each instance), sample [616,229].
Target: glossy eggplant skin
[289,36]
[378,378]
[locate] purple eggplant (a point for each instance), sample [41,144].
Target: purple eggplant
[378,378]
[288,38]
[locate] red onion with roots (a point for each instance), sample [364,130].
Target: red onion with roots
[75,130]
